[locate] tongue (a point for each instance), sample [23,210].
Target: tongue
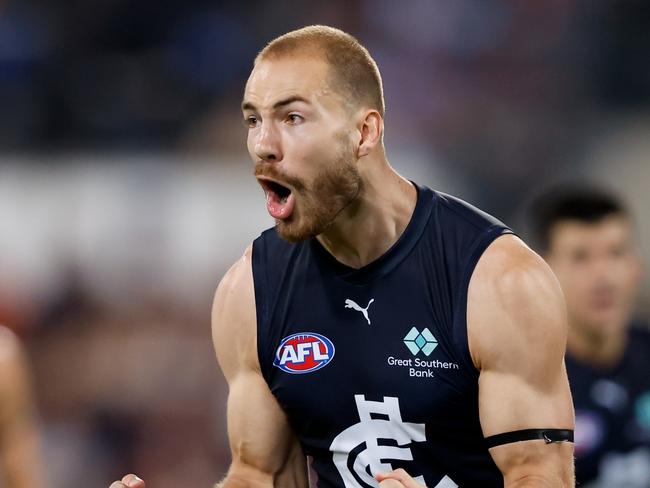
[278,208]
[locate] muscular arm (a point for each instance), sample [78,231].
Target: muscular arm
[265,453]
[517,334]
[19,454]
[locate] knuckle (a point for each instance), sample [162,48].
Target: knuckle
[390,483]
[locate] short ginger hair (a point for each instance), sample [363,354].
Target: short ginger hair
[353,72]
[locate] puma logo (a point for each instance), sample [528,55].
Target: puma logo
[353,305]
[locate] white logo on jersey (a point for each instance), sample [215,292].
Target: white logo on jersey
[301,351]
[363,438]
[353,305]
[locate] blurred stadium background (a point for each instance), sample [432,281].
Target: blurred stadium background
[126,190]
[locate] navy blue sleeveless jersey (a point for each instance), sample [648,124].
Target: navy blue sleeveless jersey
[372,365]
[613,417]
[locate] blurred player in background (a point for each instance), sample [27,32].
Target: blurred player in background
[20,462]
[587,236]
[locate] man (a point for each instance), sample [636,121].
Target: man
[383,329]
[20,463]
[587,238]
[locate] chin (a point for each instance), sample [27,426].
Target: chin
[303,226]
[608,323]
[293,233]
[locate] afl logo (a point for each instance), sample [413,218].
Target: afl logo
[304,352]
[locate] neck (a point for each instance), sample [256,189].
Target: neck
[600,350]
[375,220]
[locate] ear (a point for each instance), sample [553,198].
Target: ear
[371,128]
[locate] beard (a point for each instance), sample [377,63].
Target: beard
[318,203]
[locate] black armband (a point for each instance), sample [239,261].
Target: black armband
[547,435]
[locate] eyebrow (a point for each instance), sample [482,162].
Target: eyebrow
[281,103]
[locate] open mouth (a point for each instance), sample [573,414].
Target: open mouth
[280,190]
[279,198]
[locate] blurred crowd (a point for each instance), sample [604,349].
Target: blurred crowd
[498,89]
[125,191]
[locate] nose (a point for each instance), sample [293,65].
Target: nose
[267,144]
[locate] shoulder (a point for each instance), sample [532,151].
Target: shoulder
[638,344]
[640,334]
[463,232]
[515,305]
[463,212]
[234,317]
[513,268]
[234,283]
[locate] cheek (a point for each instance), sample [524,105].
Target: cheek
[250,144]
[574,283]
[630,276]
[577,289]
[312,139]
[301,149]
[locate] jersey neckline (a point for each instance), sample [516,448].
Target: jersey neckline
[392,257]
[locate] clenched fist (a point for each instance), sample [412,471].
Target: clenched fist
[129,481]
[397,478]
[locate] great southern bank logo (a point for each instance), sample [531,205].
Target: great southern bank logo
[417,341]
[419,367]
[304,352]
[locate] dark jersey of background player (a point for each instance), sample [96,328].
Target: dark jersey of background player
[586,236]
[372,365]
[613,417]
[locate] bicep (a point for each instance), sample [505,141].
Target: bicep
[511,402]
[523,382]
[517,338]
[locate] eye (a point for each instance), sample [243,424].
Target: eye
[251,121]
[579,256]
[618,251]
[294,119]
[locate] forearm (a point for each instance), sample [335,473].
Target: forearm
[285,482]
[292,477]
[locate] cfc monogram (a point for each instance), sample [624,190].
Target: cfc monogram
[357,454]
